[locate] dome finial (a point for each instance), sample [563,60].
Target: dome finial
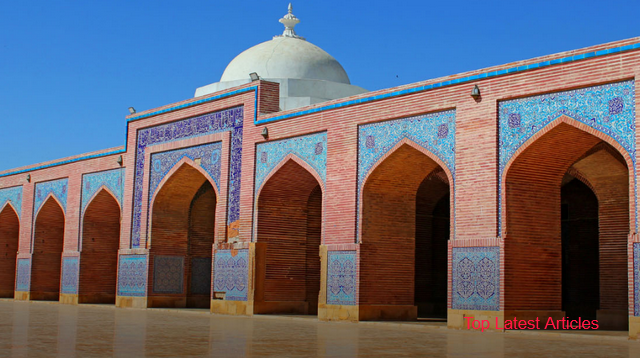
[290,21]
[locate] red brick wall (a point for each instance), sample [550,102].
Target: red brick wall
[47,253]
[288,222]
[388,227]
[9,235]
[100,241]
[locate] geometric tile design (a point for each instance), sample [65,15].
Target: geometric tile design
[231,273]
[70,272]
[608,108]
[200,275]
[168,274]
[636,279]
[161,163]
[310,148]
[111,179]
[12,195]
[341,277]
[23,275]
[132,275]
[56,187]
[216,122]
[476,278]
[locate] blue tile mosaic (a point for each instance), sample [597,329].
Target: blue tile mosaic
[132,275]
[310,148]
[57,188]
[608,108]
[221,121]
[163,162]
[476,278]
[201,275]
[70,273]
[168,274]
[231,274]
[110,179]
[23,275]
[12,195]
[341,277]
[636,279]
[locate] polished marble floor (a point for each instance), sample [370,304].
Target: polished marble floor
[41,329]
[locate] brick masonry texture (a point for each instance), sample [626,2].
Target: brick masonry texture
[361,175]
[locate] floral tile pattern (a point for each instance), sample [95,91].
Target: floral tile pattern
[110,179]
[23,275]
[636,279]
[70,272]
[13,196]
[201,275]
[341,277]
[231,274]
[476,278]
[132,275]
[56,187]
[168,274]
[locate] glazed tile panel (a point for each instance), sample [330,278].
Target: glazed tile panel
[341,277]
[110,179]
[13,196]
[231,273]
[310,148]
[23,275]
[57,188]
[221,121]
[476,278]
[70,271]
[132,275]
[636,279]
[609,109]
[200,275]
[168,274]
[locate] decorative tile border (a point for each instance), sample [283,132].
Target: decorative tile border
[341,277]
[163,162]
[476,278]
[57,188]
[636,279]
[132,275]
[110,179]
[310,148]
[168,274]
[23,275]
[12,195]
[70,274]
[225,120]
[609,109]
[231,273]
[201,275]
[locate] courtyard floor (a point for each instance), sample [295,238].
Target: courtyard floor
[42,329]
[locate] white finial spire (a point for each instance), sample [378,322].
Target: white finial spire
[290,21]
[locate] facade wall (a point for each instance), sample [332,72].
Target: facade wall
[369,154]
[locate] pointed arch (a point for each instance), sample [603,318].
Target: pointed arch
[9,243]
[47,247]
[303,163]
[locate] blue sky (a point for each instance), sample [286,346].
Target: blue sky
[70,69]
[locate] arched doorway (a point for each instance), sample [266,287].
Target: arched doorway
[405,232]
[48,241]
[182,236]
[289,230]
[567,221]
[99,255]
[9,237]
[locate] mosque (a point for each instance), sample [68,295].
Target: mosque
[505,192]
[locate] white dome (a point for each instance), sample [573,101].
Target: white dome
[286,57]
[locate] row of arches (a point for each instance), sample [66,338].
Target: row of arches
[565,195]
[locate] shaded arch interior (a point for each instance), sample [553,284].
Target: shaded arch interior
[9,238]
[289,236]
[100,243]
[182,237]
[48,243]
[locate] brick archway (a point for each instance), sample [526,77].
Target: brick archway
[538,182]
[48,243]
[289,231]
[9,237]
[182,236]
[99,249]
[402,247]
